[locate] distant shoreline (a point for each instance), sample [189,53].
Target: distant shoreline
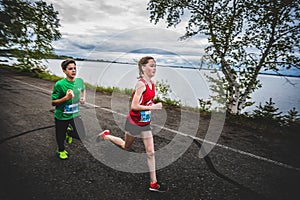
[4,61]
[173,66]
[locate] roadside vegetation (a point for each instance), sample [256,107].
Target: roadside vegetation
[265,118]
[244,38]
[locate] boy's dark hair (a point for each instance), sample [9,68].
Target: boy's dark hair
[65,63]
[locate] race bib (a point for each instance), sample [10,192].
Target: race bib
[71,109]
[145,116]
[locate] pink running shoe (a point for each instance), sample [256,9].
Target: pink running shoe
[158,187]
[102,135]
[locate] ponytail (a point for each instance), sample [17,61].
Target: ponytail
[143,61]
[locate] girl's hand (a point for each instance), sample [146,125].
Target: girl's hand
[157,106]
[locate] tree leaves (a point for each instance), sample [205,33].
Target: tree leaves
[244,37]
[27,30]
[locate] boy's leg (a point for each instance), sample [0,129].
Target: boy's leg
[78,128]
[60,130]
[69,139]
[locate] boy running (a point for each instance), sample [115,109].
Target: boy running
[67,94]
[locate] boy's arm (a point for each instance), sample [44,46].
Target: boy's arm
[69,95]
[82,96]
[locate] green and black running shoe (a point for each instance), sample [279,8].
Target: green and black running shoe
[69,139]
[63,155]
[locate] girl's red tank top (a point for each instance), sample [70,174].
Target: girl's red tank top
[143,117]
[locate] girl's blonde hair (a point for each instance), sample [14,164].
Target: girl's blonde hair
[143,61]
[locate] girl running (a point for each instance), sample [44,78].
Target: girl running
[139,118]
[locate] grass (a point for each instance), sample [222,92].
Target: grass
[263,125]
[243,121]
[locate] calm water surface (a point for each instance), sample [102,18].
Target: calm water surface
[187,85]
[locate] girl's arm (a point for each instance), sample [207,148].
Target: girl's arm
[139,89]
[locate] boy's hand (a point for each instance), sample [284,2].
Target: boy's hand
[69,94]
[82,100]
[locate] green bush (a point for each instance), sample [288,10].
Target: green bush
[163,91]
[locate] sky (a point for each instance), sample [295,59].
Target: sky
[121,30]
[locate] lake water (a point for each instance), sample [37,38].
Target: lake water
[187,85]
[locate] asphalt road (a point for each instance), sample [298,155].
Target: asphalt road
[29,168]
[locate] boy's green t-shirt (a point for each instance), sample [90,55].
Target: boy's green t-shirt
[70,108]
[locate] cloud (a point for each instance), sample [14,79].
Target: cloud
[110,29]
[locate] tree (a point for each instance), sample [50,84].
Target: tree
[244,38]
[268,111]
[291,117]
[27,29]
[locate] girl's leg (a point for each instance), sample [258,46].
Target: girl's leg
[129,139]
[149,146]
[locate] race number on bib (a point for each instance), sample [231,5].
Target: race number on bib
[71,109]
[145,116]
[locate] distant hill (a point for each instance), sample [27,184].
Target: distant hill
[152,51]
